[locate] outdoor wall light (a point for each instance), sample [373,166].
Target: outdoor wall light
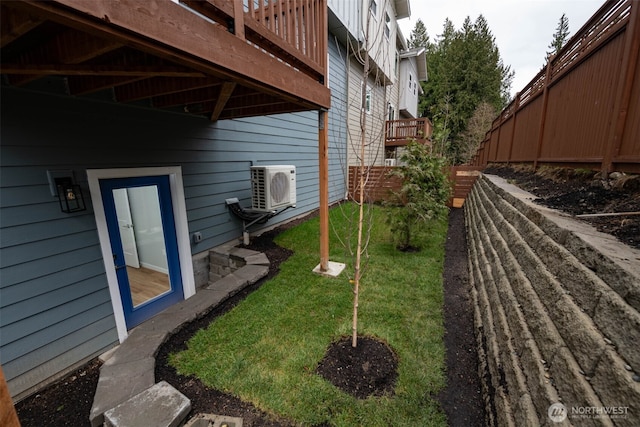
[69,194]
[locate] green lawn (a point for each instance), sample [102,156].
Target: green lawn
[267,348]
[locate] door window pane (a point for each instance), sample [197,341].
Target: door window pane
[142,236]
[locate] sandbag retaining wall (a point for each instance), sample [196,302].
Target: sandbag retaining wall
[556,313]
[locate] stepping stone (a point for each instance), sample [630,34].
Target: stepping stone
[213,420]
[160,405]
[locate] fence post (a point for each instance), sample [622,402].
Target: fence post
[513,128]
[623,97]
[543,114]
[496,149]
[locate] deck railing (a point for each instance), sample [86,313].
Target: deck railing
[294,31]
[401,132]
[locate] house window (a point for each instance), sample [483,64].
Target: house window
[366,99]
[387,25]
[373,7]
[392,113]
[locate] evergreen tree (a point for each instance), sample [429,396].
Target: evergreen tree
[465,70]
[419,36]
[560,36]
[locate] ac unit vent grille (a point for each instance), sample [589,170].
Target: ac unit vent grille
[280,187]
[273,187]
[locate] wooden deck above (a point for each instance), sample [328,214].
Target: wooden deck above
[399,133]
[216,58]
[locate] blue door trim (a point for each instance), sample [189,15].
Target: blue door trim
[138,314]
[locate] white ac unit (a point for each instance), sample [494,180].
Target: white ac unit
[389,162]
[273,187]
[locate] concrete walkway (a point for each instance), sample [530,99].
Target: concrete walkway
[128,371]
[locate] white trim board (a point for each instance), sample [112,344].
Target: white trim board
[182,231]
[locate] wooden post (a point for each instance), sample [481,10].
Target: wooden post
[238,18]
[513,128]
[543,114]
[623,97]
[323,144]
[496,150]
[8,417]
[323,156]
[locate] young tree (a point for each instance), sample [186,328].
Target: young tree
[560,37]
[371,52]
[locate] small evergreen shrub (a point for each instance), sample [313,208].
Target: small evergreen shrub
[422,197]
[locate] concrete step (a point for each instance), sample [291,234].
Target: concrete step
[160,406]
[239,279]
[225,260]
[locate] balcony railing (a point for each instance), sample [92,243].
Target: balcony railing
[400,132]
[295,31]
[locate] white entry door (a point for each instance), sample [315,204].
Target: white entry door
[106,223]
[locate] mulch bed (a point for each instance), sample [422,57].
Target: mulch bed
[369,369]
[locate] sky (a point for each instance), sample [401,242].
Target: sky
[523,29]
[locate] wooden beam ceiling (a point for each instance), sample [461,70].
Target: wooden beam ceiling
[14,24]
[168,56]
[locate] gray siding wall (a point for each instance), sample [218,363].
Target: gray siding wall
[338,164]
[55,308]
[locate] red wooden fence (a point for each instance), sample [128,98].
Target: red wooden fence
[380,185]
[583,109]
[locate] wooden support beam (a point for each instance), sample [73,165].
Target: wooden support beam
[225,94]
[159,86]
[8,416]
[58,69]
[323,157]
[15,24]
[82,85]
[73,47]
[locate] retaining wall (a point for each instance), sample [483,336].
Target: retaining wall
[556,313]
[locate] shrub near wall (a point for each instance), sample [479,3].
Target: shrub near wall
[556,314]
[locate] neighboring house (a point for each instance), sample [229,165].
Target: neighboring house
[413,70]
[389,94]
[144,105]
[406,126]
